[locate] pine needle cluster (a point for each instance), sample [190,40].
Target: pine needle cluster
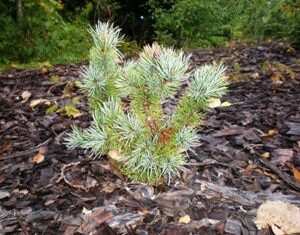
[129,123]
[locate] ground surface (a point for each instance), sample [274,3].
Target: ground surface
[250,152]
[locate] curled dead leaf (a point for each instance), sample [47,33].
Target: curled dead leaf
[38,158]
[296,173]
[25,96]
[266,155]
[269,133]
[37,102]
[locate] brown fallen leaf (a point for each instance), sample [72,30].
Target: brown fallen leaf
[277,78]
[266,155]
[4,147]
[37,102]
[25,96]
[269,133]
[296,173]
[109,187]
[38,158]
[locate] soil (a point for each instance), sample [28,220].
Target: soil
[249,153]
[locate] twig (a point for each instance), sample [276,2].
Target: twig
[24,153]
[214,162]
[62,176]
[285,177]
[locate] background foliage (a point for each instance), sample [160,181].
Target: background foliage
[56,30]
[42,34]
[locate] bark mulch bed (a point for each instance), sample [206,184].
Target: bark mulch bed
[249,153]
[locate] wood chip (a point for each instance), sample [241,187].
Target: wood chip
[234,130]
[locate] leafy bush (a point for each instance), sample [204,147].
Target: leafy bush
[42,35]
[130,124]
[274,19]
[192,23]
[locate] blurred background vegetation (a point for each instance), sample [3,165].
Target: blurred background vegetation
[55,31]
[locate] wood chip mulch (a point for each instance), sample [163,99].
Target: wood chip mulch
[249,153]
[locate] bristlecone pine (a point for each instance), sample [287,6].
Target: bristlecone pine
[130,122]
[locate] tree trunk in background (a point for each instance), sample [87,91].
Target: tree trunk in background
[19,11]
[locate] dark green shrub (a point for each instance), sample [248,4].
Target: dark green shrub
[192,23]
[275,19]
[41,35]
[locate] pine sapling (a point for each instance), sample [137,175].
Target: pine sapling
[131,123]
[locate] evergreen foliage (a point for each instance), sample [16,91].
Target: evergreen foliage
[129,123]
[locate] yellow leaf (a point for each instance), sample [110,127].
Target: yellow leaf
[52,109]
[45,66]
[54,78]
[296,173]
[184,219]
[71,111]
[269,133]
[37,102]
[38,158]
[225,104]
[214,103]
[266,155]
